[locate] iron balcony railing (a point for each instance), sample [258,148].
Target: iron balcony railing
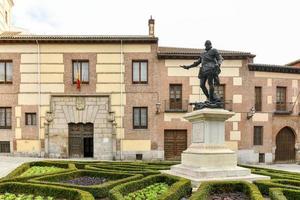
[176,106]
[283,107]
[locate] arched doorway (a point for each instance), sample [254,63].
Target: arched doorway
[285,145]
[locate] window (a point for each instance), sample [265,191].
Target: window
[5,118]
[81,71]
[6,72]
[175,97]
[258,135]
[140,71]
[281,98]
[258,99]
[4,147]
[140,117]
[30,118]
[261,157]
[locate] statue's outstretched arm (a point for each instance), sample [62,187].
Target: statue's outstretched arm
[195,64]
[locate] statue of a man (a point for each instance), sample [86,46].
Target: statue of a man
[209,71]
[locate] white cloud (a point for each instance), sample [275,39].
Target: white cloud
[267,28]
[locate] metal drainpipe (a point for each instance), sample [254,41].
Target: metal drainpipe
[39,89]
[121,95]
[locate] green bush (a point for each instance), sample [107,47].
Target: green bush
[129,170]
[98,191]
[15,175]
[208,188]
[265,185]
[179,187]
[284,194]
[45,190]
[134,165]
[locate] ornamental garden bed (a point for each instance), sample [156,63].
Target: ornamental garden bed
[26,191]
[154,187]
[64,180]
[233,190]
[97,183]
[36,169]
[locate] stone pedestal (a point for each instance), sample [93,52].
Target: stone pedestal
[208,158]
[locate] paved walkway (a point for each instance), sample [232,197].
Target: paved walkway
[8,163]
[285,167]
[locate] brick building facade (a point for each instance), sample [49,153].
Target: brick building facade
[132,97]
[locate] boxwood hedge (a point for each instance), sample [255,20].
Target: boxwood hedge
[179,187]
[98,191]
[45,190]
[265,185]
[274,174]
[284,194]
[122,169]
[208,188]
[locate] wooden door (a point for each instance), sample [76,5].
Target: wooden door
[175,97]
[78,145]
[285,146]
[175,142]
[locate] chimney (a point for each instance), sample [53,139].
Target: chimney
[151,23]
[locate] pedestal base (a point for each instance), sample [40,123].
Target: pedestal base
[202,162]
[219,175]
[207,158]
[205,173]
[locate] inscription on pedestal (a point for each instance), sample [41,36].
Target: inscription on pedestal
[198,132]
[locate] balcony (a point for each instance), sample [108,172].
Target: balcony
[181,106]
[283,108]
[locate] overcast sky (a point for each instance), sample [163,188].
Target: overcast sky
[268,28]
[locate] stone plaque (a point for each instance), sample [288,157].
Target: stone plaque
[80,103]
[198,132]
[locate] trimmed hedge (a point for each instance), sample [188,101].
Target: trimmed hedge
[208,188]
[284,194]
[127,170]
[14,176]
[179,187]
[45,190]
[265,185]
[274,174]
[134,165]
[98,191]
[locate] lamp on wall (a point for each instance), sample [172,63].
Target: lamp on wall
[157,108]
[251,113]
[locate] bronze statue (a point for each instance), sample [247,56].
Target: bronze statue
[209,72]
